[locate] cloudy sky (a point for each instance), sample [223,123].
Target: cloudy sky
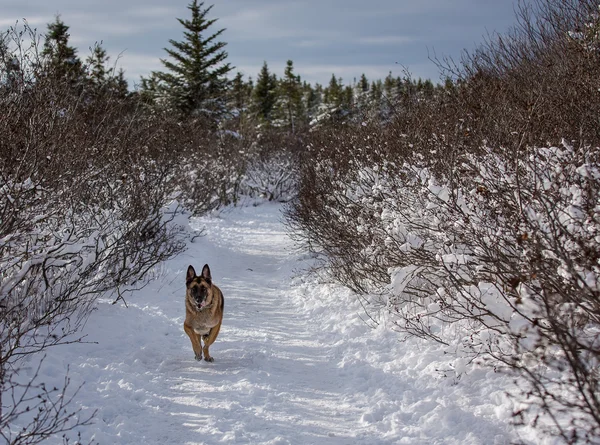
[345,37]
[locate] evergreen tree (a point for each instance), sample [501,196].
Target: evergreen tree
[390,87]
[363,84]
[428,88]
[377,101]
[347,100]
[337,101]
[148,91]
[61,58]
[362,97]
[119,85]
[333,93]
[4,51]
[289,108]
[264,94]
[240,93]
[376,91]
[312,99]
[195,81]
[96,62]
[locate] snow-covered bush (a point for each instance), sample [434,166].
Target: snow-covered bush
[210,171]
[85,207]
[230,168]
[271,169]
[501,266]
[472,219]
[273,178]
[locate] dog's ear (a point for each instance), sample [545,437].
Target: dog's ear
[191,274]
[206,273]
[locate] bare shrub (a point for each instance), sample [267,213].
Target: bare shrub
[471,220]
[83,190]
[271,167]
[211,167]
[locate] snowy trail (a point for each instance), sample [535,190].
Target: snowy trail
[294,364]
[272,380]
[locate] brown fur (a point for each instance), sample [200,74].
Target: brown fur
[203,311]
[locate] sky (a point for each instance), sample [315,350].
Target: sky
[322,37]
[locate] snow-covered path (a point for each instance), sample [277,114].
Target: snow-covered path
[294,364]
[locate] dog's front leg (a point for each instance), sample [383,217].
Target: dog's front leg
[209,339]
[195,338]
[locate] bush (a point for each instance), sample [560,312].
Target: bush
[472,219]
[271,168]
[84,186]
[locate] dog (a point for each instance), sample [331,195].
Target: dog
[203,311]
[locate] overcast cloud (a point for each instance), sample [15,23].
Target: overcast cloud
[345,37]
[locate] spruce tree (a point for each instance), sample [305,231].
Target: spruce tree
[361,97]
[312,98]
[148,91]
[390,87]
[376,91]
[96,62]
[289,107]
[393,88]
[240,93]
[61,58]
[195,81]
[118,85]
[363,83]
[264,94]
[334,93]
[428,88]
[347,100]
[379,104]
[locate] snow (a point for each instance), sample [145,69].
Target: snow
[294,363]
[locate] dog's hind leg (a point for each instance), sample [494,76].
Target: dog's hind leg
[209,340]
[195,339]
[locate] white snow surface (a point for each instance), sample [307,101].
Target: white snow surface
[294,362]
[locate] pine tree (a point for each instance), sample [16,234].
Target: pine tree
[378,102]
[362,97]
[148,91]
[195,81]
[239,95]
[289,108]
[333,93]
[376,91]
[118,85]
[312,99]
[390,87]
[347,100]
[264,94]
[61,58]
[96,62]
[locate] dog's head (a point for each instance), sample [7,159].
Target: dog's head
[199,288]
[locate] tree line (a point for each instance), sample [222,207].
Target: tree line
[197,80]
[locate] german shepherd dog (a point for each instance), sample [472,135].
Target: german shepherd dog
[203,311]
